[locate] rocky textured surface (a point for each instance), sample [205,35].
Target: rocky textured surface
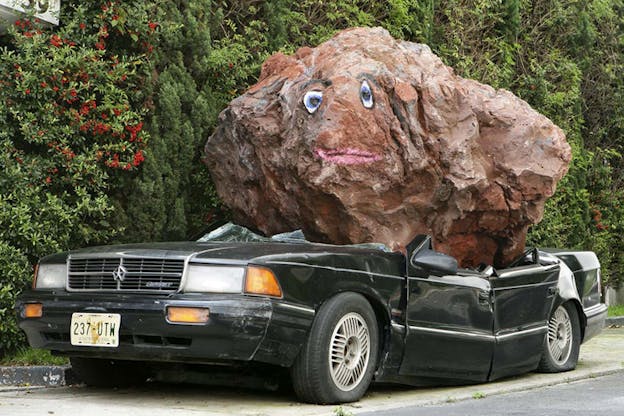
[367,138]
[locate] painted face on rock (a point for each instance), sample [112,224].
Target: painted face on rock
[343,125]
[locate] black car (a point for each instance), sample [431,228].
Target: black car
[338,317]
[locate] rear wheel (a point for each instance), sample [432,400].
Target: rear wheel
[563,340]
[337,363]
[108,373]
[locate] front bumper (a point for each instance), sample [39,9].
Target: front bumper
[596,317]
[240,328]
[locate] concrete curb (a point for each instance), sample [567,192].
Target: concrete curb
[40,375]
[614,320]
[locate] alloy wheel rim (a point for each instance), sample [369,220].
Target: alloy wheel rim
[349,351]
[560,336]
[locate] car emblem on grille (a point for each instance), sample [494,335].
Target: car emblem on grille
[120,274]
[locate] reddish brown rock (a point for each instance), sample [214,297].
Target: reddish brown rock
[393,144]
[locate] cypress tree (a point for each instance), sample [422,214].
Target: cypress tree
[169,197]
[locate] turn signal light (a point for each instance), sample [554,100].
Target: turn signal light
[184,315]
[33,310]
[261,281]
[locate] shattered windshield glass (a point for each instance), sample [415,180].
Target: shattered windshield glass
[235,233]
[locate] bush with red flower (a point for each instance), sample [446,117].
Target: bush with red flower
[72,129]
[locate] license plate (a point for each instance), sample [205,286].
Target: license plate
[95,329]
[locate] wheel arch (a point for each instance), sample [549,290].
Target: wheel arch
[579,310]
[382,314]
[383,323]
[581,316]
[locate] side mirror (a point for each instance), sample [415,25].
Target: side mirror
[434,262]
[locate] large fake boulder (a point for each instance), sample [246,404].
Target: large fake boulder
[366,138]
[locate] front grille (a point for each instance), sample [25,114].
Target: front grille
[125,274]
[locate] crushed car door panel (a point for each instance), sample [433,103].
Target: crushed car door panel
[523,297]
[449,324]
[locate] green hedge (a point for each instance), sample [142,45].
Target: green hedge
[15,267]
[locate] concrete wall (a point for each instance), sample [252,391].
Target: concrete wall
[613,296]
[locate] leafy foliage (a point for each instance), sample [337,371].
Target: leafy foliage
[69,133]
[14,266]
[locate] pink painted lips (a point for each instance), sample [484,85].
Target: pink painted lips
[347,156]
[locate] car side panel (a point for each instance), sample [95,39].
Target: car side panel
[310,279]
[449,324]
[584,289]
[523,298]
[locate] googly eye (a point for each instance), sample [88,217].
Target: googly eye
[312,100]
[366,95]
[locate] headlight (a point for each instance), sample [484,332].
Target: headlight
[51,276]
[214,279]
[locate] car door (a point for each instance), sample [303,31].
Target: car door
[523,297]
[449,320]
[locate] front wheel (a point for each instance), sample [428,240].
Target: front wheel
[562,342]
[337,363]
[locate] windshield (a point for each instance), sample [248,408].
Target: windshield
[235,233]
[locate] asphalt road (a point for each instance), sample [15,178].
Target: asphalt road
[601,356]
[594,396]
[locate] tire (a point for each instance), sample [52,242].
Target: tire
[562,341]
[108,373]
[337,363]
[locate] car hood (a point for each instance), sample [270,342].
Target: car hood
[209,252]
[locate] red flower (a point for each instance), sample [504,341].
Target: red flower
[73,93]
[27,91]
[84,109]
[138,158]
[55,88]
[82,26]
[100,46]
[28,34]
[117,112]
[48,179]
[43,84]
[152,26]
[115,162]
[134,130]
[56,41]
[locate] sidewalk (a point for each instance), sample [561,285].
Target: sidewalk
[600,356]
